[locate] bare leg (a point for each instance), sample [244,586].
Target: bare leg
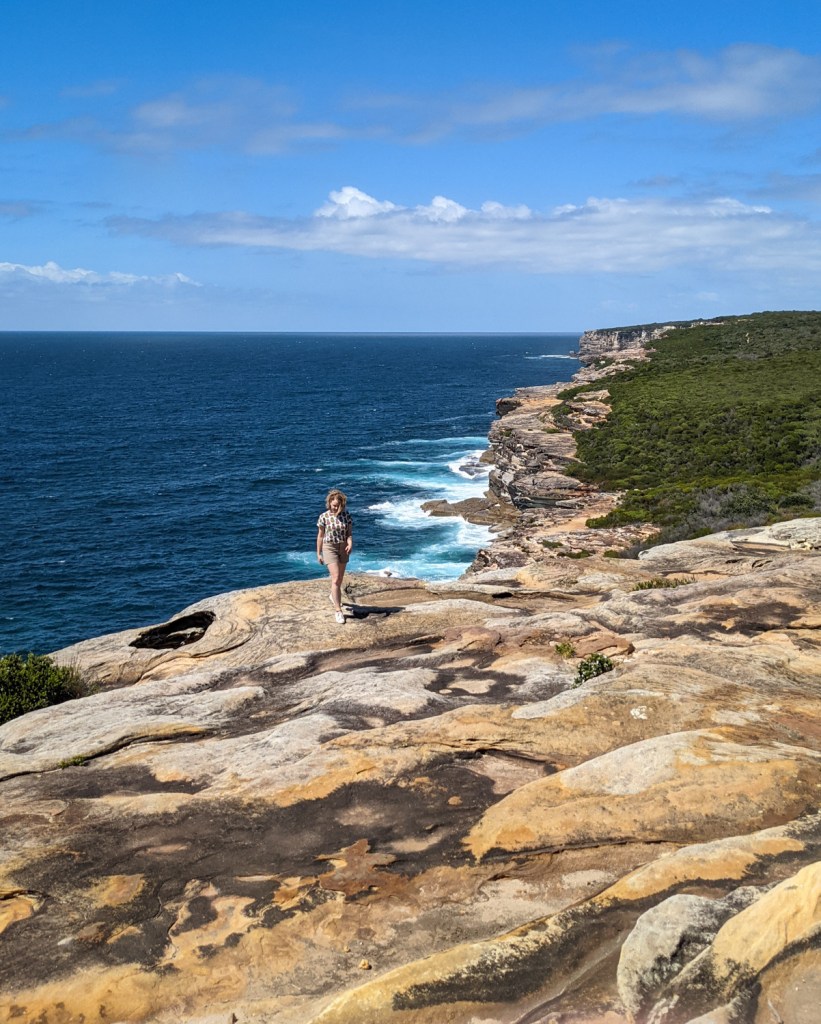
[336,571]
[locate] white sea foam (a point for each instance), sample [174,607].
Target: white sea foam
[444,551]
[472,535]
[441,559]
[435,561]
[469,466]
[548,355]
[452,442]
[454,476]
[420,569]
[404,512]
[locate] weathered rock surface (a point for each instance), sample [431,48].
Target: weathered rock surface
[235,825]
[625,343]
[420,817]
[666,938]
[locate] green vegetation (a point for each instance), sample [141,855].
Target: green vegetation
[565,649]
[658,583]
[33,682]
[72,762]
[581,553]
[720,428]
[592,666]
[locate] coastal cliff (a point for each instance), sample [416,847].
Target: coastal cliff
[630,343]
[624,343]
[569,787]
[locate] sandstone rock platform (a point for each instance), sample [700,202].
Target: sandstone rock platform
[420,817]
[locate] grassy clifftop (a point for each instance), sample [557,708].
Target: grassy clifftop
[721,427]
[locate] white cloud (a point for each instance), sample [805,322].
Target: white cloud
[741,83]
[442,210]
[494,209]
[52,273]
[601,235]
[223,111]
[350,202]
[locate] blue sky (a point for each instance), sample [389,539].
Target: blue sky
[406,166]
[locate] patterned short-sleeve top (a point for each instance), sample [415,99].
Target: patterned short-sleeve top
[336,527]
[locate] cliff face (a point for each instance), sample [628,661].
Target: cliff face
[531,448]
[622,343]
[430,815]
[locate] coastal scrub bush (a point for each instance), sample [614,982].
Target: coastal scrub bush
[796,502]
[565,649]
[592,666]
[35,681]
[719,428]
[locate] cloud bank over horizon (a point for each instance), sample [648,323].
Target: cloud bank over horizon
[15,277]
[604,235]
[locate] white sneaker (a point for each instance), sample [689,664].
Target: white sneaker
[340,617]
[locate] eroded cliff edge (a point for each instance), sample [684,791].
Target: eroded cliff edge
[421,816]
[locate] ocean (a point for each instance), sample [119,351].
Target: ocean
[143,472]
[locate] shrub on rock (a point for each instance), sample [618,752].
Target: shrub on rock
[592,666]
[35,681]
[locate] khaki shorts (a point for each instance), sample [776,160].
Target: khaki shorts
[334,554]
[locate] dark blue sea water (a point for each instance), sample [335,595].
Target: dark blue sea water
[143,472]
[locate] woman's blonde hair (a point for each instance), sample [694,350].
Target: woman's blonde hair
[336,494]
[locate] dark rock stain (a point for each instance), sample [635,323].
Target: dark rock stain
[91,782]
[200,911]
[506,975]
[222,841]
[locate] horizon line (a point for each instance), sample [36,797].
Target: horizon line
[334,334]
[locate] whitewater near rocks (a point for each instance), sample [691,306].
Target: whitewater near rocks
[422,816]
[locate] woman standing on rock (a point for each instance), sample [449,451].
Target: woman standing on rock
[334,540]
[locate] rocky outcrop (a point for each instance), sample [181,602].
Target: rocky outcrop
[622,344]
[530,452]
[538,508]
[421,816]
